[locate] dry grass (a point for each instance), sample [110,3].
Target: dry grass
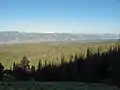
[46,51]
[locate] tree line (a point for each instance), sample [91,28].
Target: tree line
[99,67]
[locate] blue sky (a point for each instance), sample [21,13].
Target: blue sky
[73,16]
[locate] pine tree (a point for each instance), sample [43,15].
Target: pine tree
[32,69]
[25,63]
[39,65]
[62,59]
[1,71]
[71,58]
[45,63]
[76,57]
[98,52]
[1,67]
[14,66]
[89,54]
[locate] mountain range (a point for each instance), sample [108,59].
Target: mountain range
[24,37]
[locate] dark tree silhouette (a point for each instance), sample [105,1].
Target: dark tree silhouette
[1,71]
[25,63]
[98,67]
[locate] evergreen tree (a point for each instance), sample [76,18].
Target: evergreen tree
[25,63]
[1,71]
[14,66]
[33,69]
[62,59]
[45,64]
[1,67]
[89,53]
[39,65]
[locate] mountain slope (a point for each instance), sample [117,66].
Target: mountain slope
[20,37]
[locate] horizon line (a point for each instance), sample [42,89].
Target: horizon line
[61,32]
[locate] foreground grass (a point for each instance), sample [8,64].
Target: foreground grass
[54,86]
[46,51]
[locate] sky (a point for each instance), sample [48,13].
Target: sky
[60,16]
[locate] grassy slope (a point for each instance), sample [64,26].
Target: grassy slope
[49,51]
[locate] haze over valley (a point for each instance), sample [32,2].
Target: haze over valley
[23,37]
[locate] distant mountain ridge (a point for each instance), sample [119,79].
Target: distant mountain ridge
[23,37]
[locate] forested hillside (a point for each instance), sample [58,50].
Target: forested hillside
[95,67]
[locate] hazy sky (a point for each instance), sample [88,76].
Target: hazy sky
[75,16]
